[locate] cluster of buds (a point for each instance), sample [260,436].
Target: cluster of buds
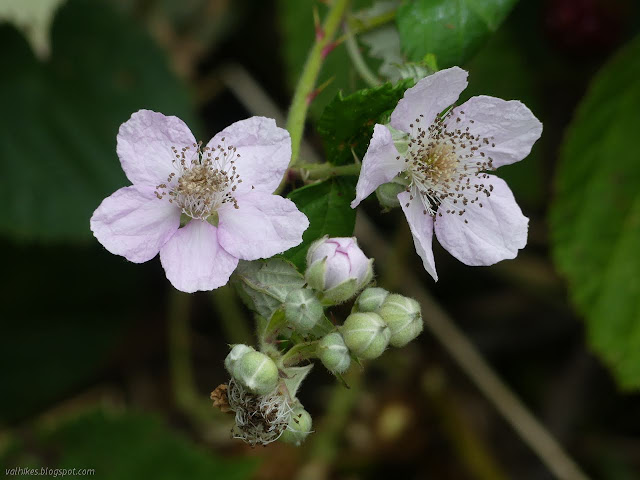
[263,385]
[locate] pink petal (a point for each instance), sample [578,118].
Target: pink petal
[421,226]
[380,164]
[494,232]
[194,260]
[134,223]
[144,146]
[263,225]
[264,149]
[509,125]
[429,97]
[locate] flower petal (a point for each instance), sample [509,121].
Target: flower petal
[144,146]
[421,226]
[509,125]
[429,97]
[263,225]
[494,232]
[194,260]
[264,149]
[134,223]
[380,164]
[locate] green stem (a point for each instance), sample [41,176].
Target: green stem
[358,61]
[309,76]
[320,171]
[183,384]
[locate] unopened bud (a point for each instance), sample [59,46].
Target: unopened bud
[333,353]
[302,309]
[366,334]
[338,268]
[371,299]
[403,316]
[256,372]
[234,355]
[299,427]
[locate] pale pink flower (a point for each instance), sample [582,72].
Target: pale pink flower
[443,159]
[343,261]
[223,191]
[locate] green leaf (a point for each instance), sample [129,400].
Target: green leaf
[123,446]
[452,30]
[347,122]
[60,118]
[595,218]
[327,206]
[265,284]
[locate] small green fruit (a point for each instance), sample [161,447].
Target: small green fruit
[403,316]
[302,309]
[237,351]
[333,353]
[366,334]
[371,299]
[257,373]
[299,427]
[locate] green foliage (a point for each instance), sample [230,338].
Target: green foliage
[452,30]
[123,446]
[60,118]
[347,123]
[595,218]
[327,206]
[265,284]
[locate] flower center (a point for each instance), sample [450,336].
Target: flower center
[206,179]
[441,161]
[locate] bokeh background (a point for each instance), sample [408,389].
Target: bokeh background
[96,372]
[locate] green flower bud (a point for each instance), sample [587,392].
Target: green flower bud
[333,353]
[256,372]
[387,194]
[371,299]
[366,334]
[403,316]
[237,351]
[302,309]
[299,427]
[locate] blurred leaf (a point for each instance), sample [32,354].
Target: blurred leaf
[67,310]
[452,30]
[384,44]
[296,24]
[264,284]
[347,122]
[122,446]
[503,54]
[595,218]
[58,131]
[33,18]
[327,206]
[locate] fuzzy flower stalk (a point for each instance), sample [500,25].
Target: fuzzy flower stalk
[442,160]
[202,208]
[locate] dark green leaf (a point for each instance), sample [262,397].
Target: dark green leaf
[452,30]
[123,446]
[60,118]
[327,206]
[347,122]
[595,218]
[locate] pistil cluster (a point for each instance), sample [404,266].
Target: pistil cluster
[206,179]
[441,161]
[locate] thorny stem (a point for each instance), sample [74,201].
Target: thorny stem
[306,84]
[357,60]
